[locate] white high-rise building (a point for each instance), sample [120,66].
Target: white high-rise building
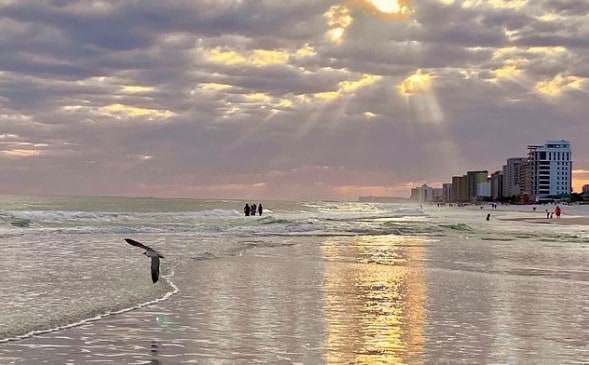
[552,166]
[422,194]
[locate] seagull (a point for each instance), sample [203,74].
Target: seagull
[155,258]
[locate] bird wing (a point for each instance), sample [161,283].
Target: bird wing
[155,268]
[138,244]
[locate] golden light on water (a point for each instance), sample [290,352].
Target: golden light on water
[374,296]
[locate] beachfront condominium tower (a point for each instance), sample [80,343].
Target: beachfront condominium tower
[511,176]
[551,166]
[497,184]
[473,179]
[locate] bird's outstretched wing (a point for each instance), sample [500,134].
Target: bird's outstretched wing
[155,269]
[138,244]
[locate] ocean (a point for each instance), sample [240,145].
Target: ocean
[307,282]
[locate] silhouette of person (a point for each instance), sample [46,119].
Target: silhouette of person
[557,211]
[246,209]
[253,210]
[260,209]
[488,216]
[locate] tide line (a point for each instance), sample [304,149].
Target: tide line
[164,297]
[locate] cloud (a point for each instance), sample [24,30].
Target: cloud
[282,99]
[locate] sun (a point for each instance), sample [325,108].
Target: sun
[387,6]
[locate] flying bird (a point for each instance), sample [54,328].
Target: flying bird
[155,258]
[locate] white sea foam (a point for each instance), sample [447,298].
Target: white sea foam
[174,290]
[84,215]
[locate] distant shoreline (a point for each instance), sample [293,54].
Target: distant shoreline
[584,221]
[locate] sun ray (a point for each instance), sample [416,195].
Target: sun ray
[418,92]
[249,132]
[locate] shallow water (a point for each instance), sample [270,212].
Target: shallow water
[372,285]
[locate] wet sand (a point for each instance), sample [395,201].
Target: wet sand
[231,310]
[362,300]
[583,221]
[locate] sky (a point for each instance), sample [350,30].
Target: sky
[287,100]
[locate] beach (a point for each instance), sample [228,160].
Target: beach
[584,221]
[374,285]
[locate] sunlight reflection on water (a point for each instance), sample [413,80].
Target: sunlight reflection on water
[374,307]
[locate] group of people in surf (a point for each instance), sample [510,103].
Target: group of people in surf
[556,212]
[252,209]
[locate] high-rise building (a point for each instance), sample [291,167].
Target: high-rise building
[447,192]
[497,184]
[459,189]
[484,189]
[551,166]
[511,176]
[473,179]
[423,194]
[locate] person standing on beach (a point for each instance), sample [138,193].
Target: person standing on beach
[253,210]
[260,209]
[557,211]
[246,209]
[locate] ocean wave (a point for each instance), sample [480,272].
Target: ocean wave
[457,226]
[93,317]
[9,220]
[21,222]
[61,215]
[272,220]
[368,220]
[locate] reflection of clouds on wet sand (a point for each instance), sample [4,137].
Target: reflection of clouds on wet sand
[355,300]
[373,301]
[462,297]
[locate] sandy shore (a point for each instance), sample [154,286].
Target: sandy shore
[237,310]
[583,221]
[302,304]
[350,300]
